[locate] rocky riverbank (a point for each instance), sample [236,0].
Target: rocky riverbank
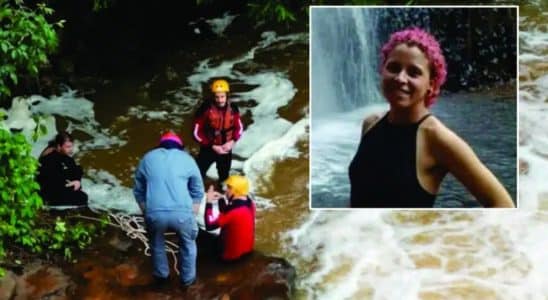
[116,268]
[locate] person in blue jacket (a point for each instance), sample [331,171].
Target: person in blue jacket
[169,189]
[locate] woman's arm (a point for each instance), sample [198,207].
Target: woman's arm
[455,155]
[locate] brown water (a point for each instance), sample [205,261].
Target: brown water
[286,188]
[465,255]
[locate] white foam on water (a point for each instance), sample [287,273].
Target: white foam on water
[80,115]
[184,103]
[219,25]
[258,134]
[541,84]
[205,71]
[107,193]
[466,255]
[530,58]
[43,140]
[259,165]
[353,252]
[273,91]
[334,141]
[236,165]
[104,190]
[534,40]
[67,105]
[269,138]
[140,112]
[533,151]
[533,119]
[19,117]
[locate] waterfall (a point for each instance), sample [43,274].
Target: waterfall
[344,59]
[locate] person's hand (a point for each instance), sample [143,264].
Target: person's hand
[228,146]
[212,196]
[75,184]
[219,149]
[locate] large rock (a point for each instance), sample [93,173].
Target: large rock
[7,285]
[109,270]
[42,282]
[121,277]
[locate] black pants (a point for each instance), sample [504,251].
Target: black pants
[207,156]
[210,245]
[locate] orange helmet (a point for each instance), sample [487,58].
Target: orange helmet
[239,185]
[220,86]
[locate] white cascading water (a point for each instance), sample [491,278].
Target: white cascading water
[344,80]
[497,254]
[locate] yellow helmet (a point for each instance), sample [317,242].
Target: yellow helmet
[239,185]
[220,86]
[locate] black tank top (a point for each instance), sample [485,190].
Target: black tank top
[384,171]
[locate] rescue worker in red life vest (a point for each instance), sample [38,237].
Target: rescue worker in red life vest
[217,127]
[236,218]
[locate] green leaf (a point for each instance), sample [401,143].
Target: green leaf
[43,129]
[60,226]
[26,241]
[13,77]
[68,253]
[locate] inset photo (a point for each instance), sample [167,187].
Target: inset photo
[413,107]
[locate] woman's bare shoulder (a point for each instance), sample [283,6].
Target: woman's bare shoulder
[442,138]
[435,130]
[370,121]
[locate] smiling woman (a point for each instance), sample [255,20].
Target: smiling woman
[403,76]
[403,157]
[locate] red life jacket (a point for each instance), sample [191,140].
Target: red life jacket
[220,124]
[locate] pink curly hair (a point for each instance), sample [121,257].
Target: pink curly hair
[430,47]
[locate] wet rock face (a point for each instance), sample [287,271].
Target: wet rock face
[7,285]
[120,241]
[40,282]
[106,273]
[110,271]
[254,277]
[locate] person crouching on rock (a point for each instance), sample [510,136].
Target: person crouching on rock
[168,188]
[236,218]
[59,176]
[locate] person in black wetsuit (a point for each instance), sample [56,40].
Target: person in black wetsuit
[404,156]
[59,176]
